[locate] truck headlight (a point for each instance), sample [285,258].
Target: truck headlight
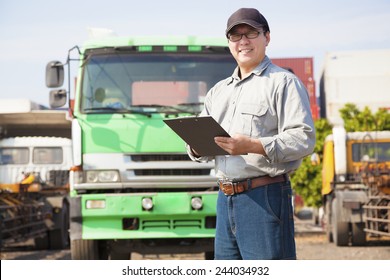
[196,203]
[77,177]
[147,203]
[108,176]
[341,178]
[91,177]
[102,176]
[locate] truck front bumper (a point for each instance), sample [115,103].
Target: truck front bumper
[122,216]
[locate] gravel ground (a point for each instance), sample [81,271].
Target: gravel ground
[310,240]
[316,247]
[310,246]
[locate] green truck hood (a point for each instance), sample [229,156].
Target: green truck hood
[128,133]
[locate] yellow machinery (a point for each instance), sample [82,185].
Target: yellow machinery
[356,186]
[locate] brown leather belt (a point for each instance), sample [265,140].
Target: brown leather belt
[229,187]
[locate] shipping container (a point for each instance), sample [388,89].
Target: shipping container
[302,67]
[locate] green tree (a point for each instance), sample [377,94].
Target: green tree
[382,117]
[307,179]
[365,120]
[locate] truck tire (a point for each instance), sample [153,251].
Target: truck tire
[340,229]
[209,255]
[328,221]
[42,242]
[341,234]
[120,256]
[358,234]
[84,249]
[59,237]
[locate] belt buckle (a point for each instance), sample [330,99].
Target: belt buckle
[226,187]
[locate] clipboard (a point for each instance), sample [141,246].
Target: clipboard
[199,133]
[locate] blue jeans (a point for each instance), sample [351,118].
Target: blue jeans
[257,224]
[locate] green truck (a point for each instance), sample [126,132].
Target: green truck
[133,187]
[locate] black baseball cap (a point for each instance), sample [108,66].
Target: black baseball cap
[248,16]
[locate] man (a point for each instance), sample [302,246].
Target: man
[266,110]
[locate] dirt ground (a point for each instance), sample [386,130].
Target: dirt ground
[310,246]
[316,247]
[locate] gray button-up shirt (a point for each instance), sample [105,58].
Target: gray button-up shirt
[271,105]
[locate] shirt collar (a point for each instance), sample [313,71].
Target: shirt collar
[234,77]
[262,66]
[257,71]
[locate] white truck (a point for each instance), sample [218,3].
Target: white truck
[358,77]
[34,188]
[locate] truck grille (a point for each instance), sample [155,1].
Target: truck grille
[175,172]
[168,224]
[171,224]
[159,157]
[166,165]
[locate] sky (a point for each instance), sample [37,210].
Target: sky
[33,33]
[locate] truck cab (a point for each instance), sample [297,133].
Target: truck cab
[133,187]
[34,187]
[356,185]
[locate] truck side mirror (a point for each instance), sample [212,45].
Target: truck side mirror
[57,98]
[54,74]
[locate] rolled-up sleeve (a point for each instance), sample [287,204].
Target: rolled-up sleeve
[296,133]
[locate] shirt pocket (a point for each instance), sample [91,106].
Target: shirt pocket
[253,119]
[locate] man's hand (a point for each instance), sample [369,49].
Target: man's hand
[194,153]
[240,145]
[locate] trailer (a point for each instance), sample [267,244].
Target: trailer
[358,77]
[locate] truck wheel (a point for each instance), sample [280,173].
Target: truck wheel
[341,234]
[328,222]
[120,256]
[84,249]
[59,238]
[340,229]
[358,234]
[42,243]
[209,255]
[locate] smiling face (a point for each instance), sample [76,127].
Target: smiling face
[248,52]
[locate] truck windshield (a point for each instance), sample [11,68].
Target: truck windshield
[374,151]
[14,156]
[151,83]
[47,155]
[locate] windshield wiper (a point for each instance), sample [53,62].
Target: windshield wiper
[161,108]
[191,104]
[196,107]
[144,109]
[116,110]
[111,109]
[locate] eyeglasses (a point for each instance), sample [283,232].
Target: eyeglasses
[235,37]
